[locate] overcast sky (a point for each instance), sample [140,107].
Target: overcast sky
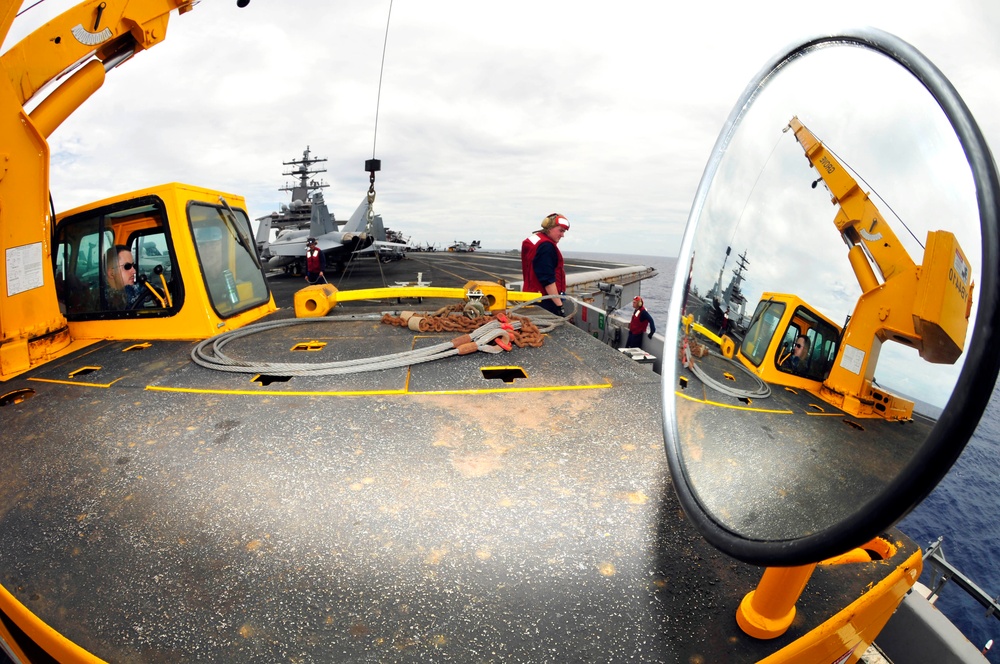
[491,115]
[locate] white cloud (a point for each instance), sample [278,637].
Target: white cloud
[491,116]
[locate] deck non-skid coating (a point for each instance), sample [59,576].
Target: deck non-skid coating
[150,525]
[555,367]
[786,465]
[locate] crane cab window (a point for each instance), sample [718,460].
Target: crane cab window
[228,258]
[763,325]
[117,261]
[808,346]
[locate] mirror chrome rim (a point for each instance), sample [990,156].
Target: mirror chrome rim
[976,380]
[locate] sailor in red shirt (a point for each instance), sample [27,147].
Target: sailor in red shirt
[542,263]
[315,262]
[637,325]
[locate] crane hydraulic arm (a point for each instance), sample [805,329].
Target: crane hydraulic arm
[858,220]
[924,306]
[103,29]
[78,47]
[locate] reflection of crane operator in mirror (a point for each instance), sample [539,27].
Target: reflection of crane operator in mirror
[925,306]
[797,360]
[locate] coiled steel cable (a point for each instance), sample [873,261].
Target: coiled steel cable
[762,391]
[545,319]
[210,352]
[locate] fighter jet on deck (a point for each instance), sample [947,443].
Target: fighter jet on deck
[288,249]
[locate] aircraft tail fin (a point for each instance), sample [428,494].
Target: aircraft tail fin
[378,230]
[263,231]
[320,220]
[359,220]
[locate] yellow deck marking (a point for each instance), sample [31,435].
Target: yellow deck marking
[362,393]
[276,393]
[74,382]
[726,405]
[550,388]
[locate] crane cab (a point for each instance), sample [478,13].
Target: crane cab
[782,321]
[191,250]
[769,348]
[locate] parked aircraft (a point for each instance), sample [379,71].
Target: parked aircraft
[464,246]
[288,249]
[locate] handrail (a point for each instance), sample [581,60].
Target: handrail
[948,572]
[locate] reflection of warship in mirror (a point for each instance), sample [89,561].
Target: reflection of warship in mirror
[725,309]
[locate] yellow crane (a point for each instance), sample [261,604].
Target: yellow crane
[924,306]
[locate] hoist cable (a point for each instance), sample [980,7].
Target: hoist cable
[378,99]
[873,190]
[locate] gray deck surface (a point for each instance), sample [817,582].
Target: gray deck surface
[788,464]
[153,510]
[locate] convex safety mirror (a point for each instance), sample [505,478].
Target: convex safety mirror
[835,294]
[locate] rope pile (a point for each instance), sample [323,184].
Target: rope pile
[446,319]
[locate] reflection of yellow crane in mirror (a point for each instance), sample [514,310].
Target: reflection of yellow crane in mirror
[925,307]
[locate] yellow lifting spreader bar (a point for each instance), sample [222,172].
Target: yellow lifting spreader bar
[689,325]
[319,299]
[389,292]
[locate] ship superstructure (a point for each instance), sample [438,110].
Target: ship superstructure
[303,192]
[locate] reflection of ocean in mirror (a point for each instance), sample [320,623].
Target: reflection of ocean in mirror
[963,508]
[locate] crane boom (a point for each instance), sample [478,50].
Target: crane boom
[858,219]
[84,41]
[923,306]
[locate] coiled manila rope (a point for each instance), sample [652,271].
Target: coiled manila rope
[444,320]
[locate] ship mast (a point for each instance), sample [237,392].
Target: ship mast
[303,168]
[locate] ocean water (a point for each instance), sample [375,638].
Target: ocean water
[964,508]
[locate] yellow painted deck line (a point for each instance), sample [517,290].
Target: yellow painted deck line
[276,393]
[725,405]
[363,393]
[74,382]
[550,388]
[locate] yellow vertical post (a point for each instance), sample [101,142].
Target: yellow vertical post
[768,611]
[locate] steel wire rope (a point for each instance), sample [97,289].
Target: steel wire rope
[209,353]
[378,103]
[29,7]
[872,190]
[762,391]
[548,320]
[378,97]
[760,174]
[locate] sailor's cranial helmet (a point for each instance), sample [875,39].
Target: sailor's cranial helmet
[554,220]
